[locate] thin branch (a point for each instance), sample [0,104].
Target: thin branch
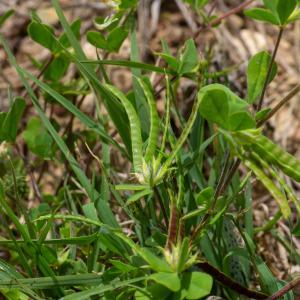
[45,66]
[285,100]
[162,207]
[228,282]
[218,192]
[270,69]
[218,20]
[285,289]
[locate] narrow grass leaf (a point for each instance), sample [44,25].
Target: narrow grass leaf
[99,291]
[106,213]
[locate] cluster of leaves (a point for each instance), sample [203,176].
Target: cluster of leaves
[187,239]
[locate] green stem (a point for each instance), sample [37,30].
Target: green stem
[270,69]
[270,224]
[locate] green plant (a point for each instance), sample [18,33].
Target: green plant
[180,226]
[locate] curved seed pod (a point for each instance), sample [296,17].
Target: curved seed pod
[165,127]
[135,128]
[154,121]
[246,137]
[289,192]
[275,155]
[182,138]
[268,183]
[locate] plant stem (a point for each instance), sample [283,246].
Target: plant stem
[285,289]
[270,69]
[162,207]
[218,192]
[228,282]
[218,20]
[285,100]
[172,228]
[269,225]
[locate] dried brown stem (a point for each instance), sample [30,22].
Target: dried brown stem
[285,100]
[228,282]
[285,289]
[218,20]
[172,228]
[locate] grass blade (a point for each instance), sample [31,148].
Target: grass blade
[106,213]
[130,64]
[102,289]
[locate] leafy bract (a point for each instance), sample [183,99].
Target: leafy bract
[38,140]
[277,12]
[221,106]
[9,121]
[169,280]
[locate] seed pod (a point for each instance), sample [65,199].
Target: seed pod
[275,155]
[154,121]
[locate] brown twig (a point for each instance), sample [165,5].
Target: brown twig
[46,65]
[172,228]
[285,289]
[218,192]
[228,282]
[162,207]
[218,20]
[285,100]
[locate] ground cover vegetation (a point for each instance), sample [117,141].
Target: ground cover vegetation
[179,225]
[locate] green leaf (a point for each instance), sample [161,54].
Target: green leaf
[43,35]
[140,100]
[130,187]
[48,282]
[282,9]
[167,56]
[155,262]
[267,280]
[100,290]
[8,272]
[196,285]
[189,59]
[72,109]
[114,107]
[214,105]
[220,105]
[116,38]
[37,138]
[260,115]
[125,4]
[97,39]
[137,196]
[130,64]
[169,280]
[5,16]
[277,194]
[205,196]
[295,16]
[9,122]
[257,74]
[261,14]
[57,68]
[75,28]
[106,213]
[240,121]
